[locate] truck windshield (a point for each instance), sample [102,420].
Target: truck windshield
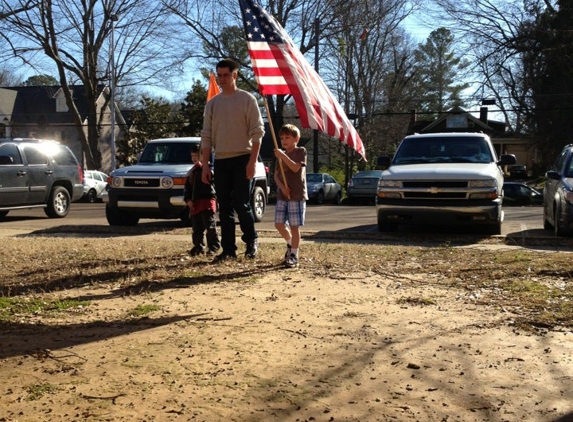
[167,153]
[443,150]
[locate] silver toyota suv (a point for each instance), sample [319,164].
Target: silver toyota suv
[38,173]
[153,188]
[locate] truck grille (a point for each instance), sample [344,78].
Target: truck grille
[143,182]
[435,184]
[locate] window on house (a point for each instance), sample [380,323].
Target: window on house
[456,121]
[61,106]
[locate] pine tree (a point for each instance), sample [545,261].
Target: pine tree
[438,69]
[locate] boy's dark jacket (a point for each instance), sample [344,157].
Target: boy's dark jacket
[195,189]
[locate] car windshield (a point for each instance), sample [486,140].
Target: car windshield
[443,150]
[368,173]
[167,153]
[314,178]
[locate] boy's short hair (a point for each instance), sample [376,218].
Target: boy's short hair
[194,148]
[291,130]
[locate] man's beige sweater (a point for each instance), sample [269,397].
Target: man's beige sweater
[231,124]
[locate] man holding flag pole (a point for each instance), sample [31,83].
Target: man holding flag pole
[233,128]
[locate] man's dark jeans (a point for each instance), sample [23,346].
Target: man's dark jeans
[234,195]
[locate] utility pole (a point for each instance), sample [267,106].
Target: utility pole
[114,19]
[315,133]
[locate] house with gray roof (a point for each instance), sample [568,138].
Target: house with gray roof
[41,112]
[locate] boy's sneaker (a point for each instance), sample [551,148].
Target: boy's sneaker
[288,252]
[196,251]
[291,261]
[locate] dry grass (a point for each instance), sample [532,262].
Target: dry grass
[534,286]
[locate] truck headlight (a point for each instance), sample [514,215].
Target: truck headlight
[383,183]
[166,182]
[117,182]
[489,183]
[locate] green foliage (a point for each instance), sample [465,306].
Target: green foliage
[336,172]
[142,310]
[547,50]
[28,306]
[156,119]
[438,68]
[41,80]
[192,109]
[37,391]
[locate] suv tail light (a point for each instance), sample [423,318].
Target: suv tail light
[81,172]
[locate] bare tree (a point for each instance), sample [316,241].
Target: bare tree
[371,60]
[492,34]
[74,38]
[219,29]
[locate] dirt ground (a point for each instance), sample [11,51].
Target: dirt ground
[251,341]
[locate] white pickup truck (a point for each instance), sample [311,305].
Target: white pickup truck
[442,178]
[153,188]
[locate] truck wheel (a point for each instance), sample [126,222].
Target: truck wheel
[495,229]
[116,217]
[320,198]
[559,228]
[384,226]
[58,203]
[258,203]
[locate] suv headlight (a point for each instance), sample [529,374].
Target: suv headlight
[117,182]
[166,182]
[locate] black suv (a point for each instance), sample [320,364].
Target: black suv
[37,173]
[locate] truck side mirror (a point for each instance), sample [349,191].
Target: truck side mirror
[383,161]
[507,160]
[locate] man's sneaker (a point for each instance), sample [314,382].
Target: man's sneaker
[288,252]
[224,256]
[252,249]
[291,261]
[196,251]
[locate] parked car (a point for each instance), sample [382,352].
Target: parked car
[94,185]
[153,188]
[38,173]
[323,187]
[518,172]
[363,186]
[517,193]
[443,179]
[558,194]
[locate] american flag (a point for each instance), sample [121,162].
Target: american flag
[281,69]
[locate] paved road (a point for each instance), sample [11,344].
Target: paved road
[519,221]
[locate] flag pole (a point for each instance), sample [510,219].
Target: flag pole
[275,140]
